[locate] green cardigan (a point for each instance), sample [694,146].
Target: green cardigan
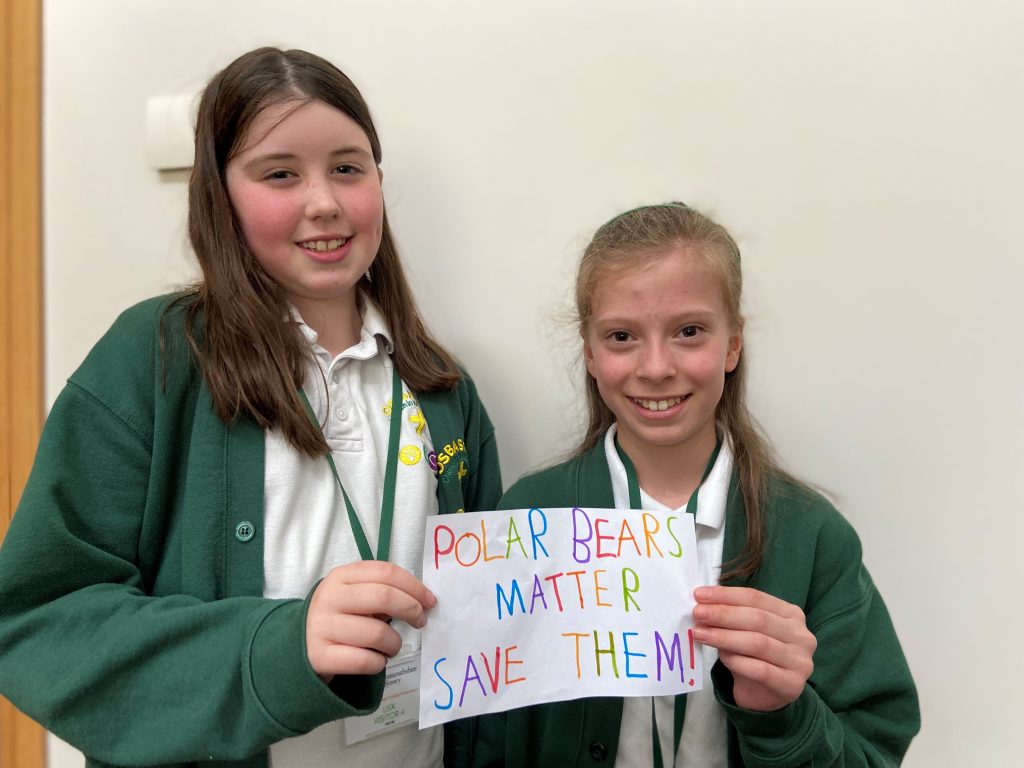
[132,622]
[858,708]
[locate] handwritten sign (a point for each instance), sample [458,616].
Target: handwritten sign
[539,605]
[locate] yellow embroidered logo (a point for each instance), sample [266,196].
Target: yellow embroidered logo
[420,422]
[410,455]
[408,401]
[440,460]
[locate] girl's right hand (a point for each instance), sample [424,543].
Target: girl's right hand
[348,625]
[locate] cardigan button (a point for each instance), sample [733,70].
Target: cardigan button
[244,531]
[598,751]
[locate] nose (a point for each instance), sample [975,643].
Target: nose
[321,202]
[655,362]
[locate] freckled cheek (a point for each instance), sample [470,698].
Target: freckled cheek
[366,213]
[266,218]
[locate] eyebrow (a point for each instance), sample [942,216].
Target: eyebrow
[698,313]
[274,157]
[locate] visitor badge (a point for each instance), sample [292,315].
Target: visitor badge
[398,707]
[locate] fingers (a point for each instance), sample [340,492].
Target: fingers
[376,588]
[331,660]
[342,644]
[762,686]
[764,641]
[382,572]
[348,624]
[380,600]
[362,631]
[788,629]
[750,610]
[745,596]
[789,648]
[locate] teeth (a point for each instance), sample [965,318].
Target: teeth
[657,405]
[323,245]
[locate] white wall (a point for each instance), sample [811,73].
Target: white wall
[868,156]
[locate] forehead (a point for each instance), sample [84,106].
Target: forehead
[667,277]
[285,125]
[645,264]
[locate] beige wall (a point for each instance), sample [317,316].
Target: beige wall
[867,155]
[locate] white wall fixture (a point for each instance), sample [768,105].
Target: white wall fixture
[170,127]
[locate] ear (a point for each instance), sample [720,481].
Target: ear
[588,355]
[380,175]
[732,355]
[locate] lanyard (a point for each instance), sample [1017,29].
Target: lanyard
[634,484]
[691,509]
[387,502]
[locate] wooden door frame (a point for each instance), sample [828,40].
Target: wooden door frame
[22,742]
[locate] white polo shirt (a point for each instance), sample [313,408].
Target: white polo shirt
[703,743]
[307,528]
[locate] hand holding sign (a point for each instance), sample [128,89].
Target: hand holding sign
[552,604]
[347,626]
[764,641]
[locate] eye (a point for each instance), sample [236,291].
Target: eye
[689,331]
[278,175]
[619,336]
[346,169]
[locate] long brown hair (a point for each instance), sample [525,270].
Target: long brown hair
[254,358]
[635,238]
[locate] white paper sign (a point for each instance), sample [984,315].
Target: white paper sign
[538,605]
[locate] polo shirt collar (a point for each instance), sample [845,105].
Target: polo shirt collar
[374,337]
[713,493]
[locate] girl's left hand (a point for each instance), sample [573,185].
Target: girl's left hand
[764,642]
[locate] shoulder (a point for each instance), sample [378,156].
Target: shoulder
[554,487]
[813,553]
[148,315]
[804,512]
[466,388]
[136,333]
[462,394]
[145,350]
[460,405]
[581,481]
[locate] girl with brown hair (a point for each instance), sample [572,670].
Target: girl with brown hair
[805,667]
[214,559]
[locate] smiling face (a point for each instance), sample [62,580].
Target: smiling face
[307,194]
[658,342]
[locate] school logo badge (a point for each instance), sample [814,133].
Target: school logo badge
[452,461]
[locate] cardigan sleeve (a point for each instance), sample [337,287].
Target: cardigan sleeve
[860,706]
[86,647]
